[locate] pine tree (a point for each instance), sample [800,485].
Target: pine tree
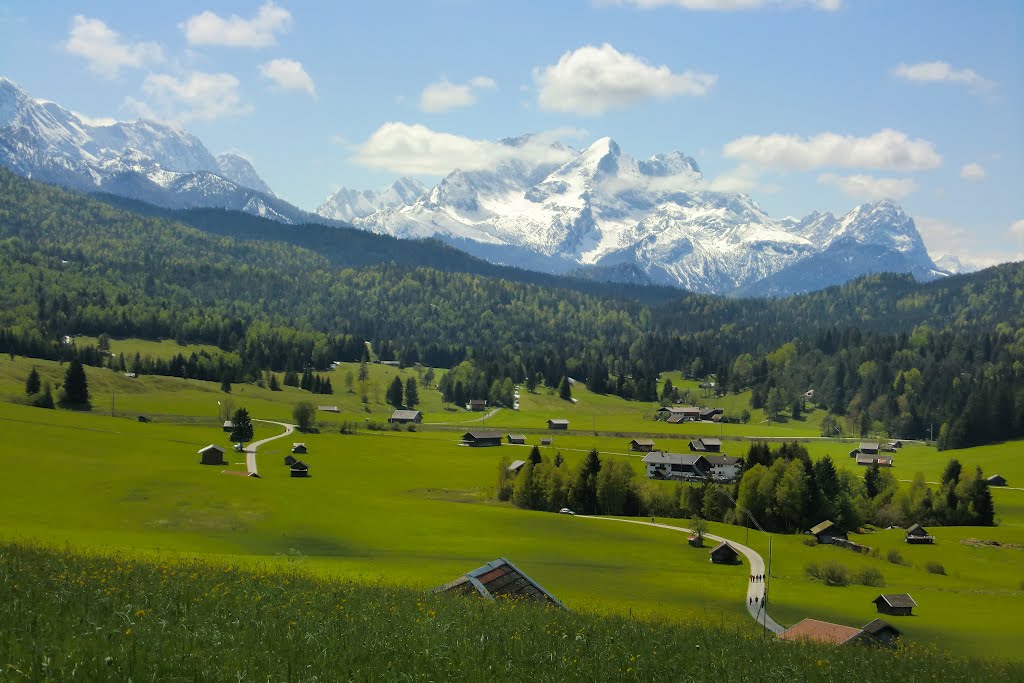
[364,371]
[242,433]
[76,386]
[225,385]
[326,387]
[584,490]
[872,480]
[412,393]
[274,386]
[535,457]
[32,383]
[564,392]
[394,393]
[45,399]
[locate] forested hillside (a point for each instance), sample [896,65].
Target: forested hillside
[882,352]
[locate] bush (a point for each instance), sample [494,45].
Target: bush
[349,427]
[810,542]
[871,576]
[831,573]
[895,557]
[936,568]
[411,427]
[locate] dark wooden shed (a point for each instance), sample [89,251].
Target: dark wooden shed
[895,604]
[211,455]
[558,424]
[723,553]
[299,469]
[479,439]
[642,445]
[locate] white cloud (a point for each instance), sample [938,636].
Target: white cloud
[95,121]
[869,187]
[1017,228]
[886,149]
[445,95]
[973,172]
[415,149]
[940,72]
[731,5]
[592,80]
[208,28]
[288,74]
[103,48]
[198,97]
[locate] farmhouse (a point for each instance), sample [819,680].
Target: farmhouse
[211,455]
[477,439]
[558,424]
[406,416]
[826,531]
[676,419]
[299,448]
[723,467]
[710,414]
[882,631]
[290,460]
[519,439]
[677,414]
[706,444]
[299,469]
[825,632]
[516,466]
[477,405]
[869,447]
[723,553]
[642,445]
[500,579]
[918,534]
[661,465]
[996,480]
[228,426]
[896,604]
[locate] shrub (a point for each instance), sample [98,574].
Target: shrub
[895,557]
[831,573]
[411,427]
[936,568]
[810,542]
[871,576]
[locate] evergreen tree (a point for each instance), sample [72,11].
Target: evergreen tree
[225,385]
[349,381]
[428,378]
[412,393]
[584,490]
[564,392]
[535,457]
[45,399]
[325,386]
[274,386]
[952,472]
[243,432]
[364,371]
[531,382]
[558,459]
[32,383]
[668,392]
[76,386]
[394,393]
[872,480]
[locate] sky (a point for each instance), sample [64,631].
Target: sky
[804,104]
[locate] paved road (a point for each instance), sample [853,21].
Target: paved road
[754,590]
[250,450]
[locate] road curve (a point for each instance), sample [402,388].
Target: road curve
[755,590]
[250,450]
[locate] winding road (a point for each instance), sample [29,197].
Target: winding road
[250,450]
[754,590]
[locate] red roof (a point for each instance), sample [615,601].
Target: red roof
[820,631]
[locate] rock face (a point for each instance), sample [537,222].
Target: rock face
[601,213]
[143,160]
[347,205]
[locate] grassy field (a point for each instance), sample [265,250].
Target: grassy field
[413,509]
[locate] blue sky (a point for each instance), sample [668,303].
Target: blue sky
[804,104]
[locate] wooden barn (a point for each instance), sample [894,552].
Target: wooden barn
[826,531]
[516,466]
[500,579]
[477,405]
[996,480]
[299,448]
[518,439]
[642,445]
[883,632]
[918,534]
[299,469]
[405,417]
[228,426]
[895,604]
[480,439]
[290,460]
[723,553]
[558,424]
[211,455]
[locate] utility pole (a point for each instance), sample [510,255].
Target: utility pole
[767,581]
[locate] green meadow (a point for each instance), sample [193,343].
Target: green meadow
[414,509]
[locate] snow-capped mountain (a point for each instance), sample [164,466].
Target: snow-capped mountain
[347,205]
[145,160]
[239,170]
[655,220]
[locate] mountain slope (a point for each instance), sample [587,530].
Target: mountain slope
[346,204]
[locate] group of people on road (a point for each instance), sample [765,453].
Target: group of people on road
[757,578]
[754,600]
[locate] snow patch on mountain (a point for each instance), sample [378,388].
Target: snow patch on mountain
[240,171]
[347,205]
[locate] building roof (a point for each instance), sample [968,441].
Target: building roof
[916,530]
[720,460]
[298,445]
[299,465]
[643,442]
[824,526]
[290,460]
[663,458]
[211,447]
[676,418]
[877,626]
[328,409]
[696,445]
[405,414]
[821,631]
[896,600]
[477,436]
[229,423]
[997,478]
[558,421]
[477,402]
[868,446]
[710,441]
[724,547]
[516,465]
[500,579]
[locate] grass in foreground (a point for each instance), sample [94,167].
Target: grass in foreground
[67,616]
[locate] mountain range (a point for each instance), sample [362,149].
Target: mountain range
[595,213]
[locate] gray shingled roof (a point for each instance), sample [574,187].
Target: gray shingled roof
[500,579]
[896,599]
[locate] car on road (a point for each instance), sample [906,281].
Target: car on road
[239,448]
[566,511]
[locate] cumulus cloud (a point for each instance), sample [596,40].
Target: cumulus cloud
[973,172]
[209,28]
[1017,228]
[886,149]
[940,72]
[592,80]
[103,49]
[197,97]
[731,5]
[288,74]
[445,95]
[869,187]
[414,149]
